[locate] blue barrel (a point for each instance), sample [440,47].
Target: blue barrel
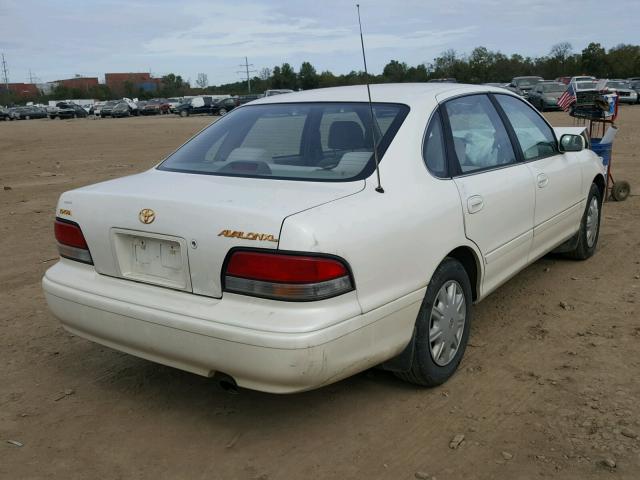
[602,149]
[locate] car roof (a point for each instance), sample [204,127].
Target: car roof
[407,93]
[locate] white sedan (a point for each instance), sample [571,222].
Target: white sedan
[263,252]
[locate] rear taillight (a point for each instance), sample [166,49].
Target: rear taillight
[71,242]
[287,276]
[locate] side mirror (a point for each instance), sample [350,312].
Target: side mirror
[571,143]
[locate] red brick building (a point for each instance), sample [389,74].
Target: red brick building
[117,82]
[81,83]
[22,90]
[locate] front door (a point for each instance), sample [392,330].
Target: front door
[557,177]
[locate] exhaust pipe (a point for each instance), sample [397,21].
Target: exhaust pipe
[226,383]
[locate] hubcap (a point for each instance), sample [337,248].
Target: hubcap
[592,222]
[446,324]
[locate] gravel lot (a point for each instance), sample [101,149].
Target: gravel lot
[548,388]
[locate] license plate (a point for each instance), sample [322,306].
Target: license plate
[152,258]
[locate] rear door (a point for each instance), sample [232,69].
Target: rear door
[496,191]
[557,176]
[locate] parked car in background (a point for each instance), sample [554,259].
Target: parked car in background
[545,95]
[4,114]
[173,103]
[97,107]
[260,251]
[522,85]
[242,99]
[280,91]
[224,106]
[565,80]
[121,109]
[623,89]
[156,106]
[67,110]
[195,106]
[27,113]
[636,87]
[107,108]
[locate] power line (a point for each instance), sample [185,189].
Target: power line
[246,65]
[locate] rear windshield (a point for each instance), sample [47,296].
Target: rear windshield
[293,141]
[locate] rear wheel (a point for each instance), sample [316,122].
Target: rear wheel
[442,326]
[184,113]
[589,226]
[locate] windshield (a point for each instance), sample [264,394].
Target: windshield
[526,82]
[295,141]
[585,85]
[554,87]
[618,84]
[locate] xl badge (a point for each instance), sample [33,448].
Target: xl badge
[147,216]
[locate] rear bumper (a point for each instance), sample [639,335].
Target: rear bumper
[204,335]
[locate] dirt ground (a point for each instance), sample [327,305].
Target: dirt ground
[544,390]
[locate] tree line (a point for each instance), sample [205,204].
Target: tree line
[480,66]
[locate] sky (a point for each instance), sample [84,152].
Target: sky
[59,39]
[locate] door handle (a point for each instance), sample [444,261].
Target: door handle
[543,180]
[475,204]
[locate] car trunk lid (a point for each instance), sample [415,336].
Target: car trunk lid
[175,229]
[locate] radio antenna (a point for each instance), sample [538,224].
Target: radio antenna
[379,188]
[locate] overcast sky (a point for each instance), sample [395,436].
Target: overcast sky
[57,39]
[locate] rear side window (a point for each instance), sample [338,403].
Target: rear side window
[534,135]
[433,148]
[296,141]
[480,138]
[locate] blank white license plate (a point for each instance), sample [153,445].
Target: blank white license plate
[152,258]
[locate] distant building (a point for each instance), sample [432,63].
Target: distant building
[119,83]
[22,90]
[79,83]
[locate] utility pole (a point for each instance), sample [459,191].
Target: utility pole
[30,77]
[246,70]
[5,74]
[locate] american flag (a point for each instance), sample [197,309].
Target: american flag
[567,99]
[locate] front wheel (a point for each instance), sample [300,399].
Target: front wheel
[589,226]
[222,112]
[442,326]
[184,113]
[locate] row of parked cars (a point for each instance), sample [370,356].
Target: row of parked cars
[205,104]
[544,94]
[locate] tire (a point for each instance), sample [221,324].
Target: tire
[428,368]
[28,117]
[222,112]
[620,191]
[184,113]
[75,115]
[587,238]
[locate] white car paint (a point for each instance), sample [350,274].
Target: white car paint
[393,242]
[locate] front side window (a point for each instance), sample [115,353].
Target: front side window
[433,148]
[297,141]
[480,139]
[534,135]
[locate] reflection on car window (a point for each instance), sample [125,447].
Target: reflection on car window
[433,148]
[479,137]
[534,135]
[304,141]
